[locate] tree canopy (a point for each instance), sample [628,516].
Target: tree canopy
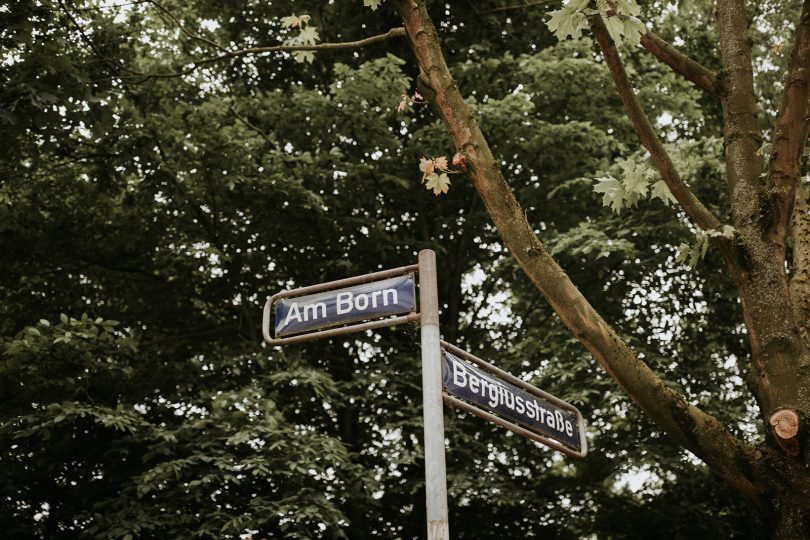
[166,166]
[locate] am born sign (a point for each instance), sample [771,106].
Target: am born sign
[484,390]
[373,300]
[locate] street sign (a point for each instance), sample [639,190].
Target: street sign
[487,391]
[388,298]
[365,301]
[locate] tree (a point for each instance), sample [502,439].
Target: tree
[764,213]
[162,166]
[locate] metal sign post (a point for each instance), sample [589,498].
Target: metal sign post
[435,469]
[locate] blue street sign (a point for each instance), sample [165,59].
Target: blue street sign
[367,301]
[487,392]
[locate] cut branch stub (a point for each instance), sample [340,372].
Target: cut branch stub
[785,423]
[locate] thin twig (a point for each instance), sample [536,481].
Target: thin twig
[393,33]
[183,29]
[252,127]
[525,5]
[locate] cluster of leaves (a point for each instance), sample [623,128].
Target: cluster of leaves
[637,182]
[435,172]
[177,211]
[410,101]
[695,252]
[620,16]
[307,35]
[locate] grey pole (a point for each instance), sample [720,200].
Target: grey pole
[435,472]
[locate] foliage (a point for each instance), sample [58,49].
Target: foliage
[175,205]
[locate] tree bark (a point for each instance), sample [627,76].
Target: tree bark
[780,359]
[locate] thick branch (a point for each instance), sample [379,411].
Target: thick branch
[646,134]
[780,357]
[800,275]
[694,429]
[790,133]
[742,135]
[681,63]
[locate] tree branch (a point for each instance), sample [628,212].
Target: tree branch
[525,5]
[646,134]
[800,275]
[697,431]
[183,29]
[393,33]
[791,128]
[681,63]
[251,127]
[741,132]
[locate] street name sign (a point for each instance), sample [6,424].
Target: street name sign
[449,374]
[391,296]
[512,403]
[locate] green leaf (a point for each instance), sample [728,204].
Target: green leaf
[293,21]
[568,21]
[660,190]
[683,253]
[304,56]
[613,192]
[439,183]
[373,4]
[727,232]
[308,36]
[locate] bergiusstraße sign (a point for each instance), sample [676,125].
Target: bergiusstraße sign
[373,300]
[486,391]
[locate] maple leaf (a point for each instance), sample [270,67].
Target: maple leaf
[417,97]
[403,104]
[373,4]
[441,163]
[613,192]
[290,21]
[294,21]
[459,160]
[426,166]
[568,21]
[304,56]
[308,36]
[439,183]
[661,191]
